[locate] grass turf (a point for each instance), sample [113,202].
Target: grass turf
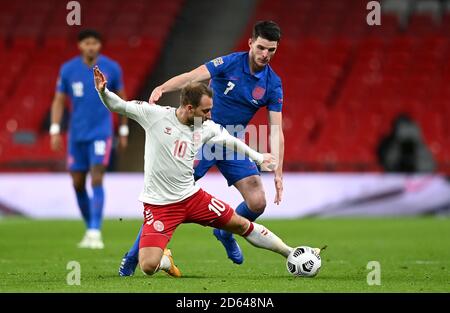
[413,253]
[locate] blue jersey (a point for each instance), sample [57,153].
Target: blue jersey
[90,119]
[238,94]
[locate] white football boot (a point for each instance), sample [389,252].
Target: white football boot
[92,240]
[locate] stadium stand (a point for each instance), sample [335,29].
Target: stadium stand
[35,40]
[344,81]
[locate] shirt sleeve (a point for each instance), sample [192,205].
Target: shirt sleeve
[140,111]
[61,83]
[144,113]
[275,101]
[219,65]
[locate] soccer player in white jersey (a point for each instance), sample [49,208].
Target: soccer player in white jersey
[170,195]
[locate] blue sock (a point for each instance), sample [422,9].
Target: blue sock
[134,251]
[243,211]
[83,203]
[98,199]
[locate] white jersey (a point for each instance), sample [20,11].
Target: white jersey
[170,148]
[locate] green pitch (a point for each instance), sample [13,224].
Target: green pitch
[414,255]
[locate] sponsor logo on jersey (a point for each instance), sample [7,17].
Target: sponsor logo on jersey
[217,61]
[258,93]
[168,130]
[158,226]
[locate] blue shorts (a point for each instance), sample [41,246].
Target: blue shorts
[82,155]
[233,166]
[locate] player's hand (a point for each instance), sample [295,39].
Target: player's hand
[269,163]
[156,94]
[123,142]
[278,189]
[100,79]
[56,142]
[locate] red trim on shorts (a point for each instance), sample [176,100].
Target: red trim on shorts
[153,240]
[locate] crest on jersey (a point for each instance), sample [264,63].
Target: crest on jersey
[217,61]
[168,130]
[258,93]
[158,226]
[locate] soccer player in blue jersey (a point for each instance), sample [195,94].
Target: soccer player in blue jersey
[90,129]
[242,82]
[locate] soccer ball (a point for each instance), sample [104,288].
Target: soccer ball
[303,262]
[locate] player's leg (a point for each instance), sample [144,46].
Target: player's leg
[98,196]
[210,211]
[83,201]
[153,259]
[130,260]
[99,153]
[159,225]
[244,175]
[258,235]
[78,165]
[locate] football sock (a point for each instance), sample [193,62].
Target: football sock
[243,211]
[164,264]
[134,251]
[84,205]
[261,237]
[97,201]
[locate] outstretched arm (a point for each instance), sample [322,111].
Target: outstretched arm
[265,160]
[199,74]
[112,101]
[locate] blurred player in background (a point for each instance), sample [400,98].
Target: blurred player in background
[242,82]
[170,195]
[90,131]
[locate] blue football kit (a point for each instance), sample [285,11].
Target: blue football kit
[91,126]
[90,129]
[238,95]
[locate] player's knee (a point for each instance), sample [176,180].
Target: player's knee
[79,186]
[149,267]
[97,175]
[258,203]
[97,180]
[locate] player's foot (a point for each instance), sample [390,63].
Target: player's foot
[128,265]
[234,252]
[173,271]
[92,240]
[318,250]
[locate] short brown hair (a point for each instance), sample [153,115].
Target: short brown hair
[193,92]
